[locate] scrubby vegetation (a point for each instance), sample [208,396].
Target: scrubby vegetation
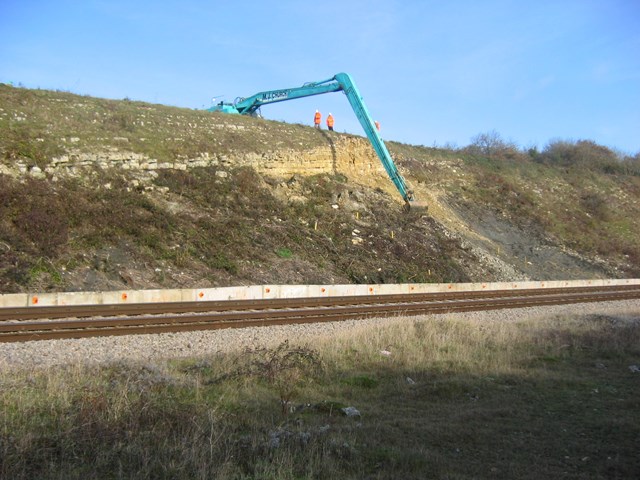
[104,228]
[573,193]
[578,193]
[69,225]
[431,398]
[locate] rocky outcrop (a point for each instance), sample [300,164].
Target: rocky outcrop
[350,156]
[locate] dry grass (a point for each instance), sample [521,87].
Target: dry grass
[438,398]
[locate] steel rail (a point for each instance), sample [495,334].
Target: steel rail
[237,314]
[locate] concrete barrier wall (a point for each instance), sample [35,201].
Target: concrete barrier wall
[255,292]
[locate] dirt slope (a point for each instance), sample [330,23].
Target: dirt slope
[100,195]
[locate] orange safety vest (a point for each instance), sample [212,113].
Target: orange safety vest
[317,118]
[330,121]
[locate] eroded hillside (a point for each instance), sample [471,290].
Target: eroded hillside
[98,195]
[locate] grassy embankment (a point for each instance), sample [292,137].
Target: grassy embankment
[100,228]
[536,398]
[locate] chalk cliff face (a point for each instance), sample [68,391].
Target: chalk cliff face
[350,156]
[214,199]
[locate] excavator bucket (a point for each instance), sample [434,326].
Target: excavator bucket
[414,206]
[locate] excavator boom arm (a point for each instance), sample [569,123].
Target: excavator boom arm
[339,82]
[360,109]
[248,106]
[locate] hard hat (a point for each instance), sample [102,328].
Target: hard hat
[316,111]
[329,113]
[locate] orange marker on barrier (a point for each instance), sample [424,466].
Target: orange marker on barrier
[34,300]
[201,294]
[124,296]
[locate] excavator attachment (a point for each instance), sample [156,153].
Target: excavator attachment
[414,206]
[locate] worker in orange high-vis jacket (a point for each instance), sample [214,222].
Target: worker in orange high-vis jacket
[330,122]
[316,119]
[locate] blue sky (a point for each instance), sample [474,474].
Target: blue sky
[432,72]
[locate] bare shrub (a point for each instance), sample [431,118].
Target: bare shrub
[284,369]
[595,205]
[631,165]
[492,145]
[34,215]
[45,228]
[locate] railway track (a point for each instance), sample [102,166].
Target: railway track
[21,324]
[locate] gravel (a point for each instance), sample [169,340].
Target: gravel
[144,348]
